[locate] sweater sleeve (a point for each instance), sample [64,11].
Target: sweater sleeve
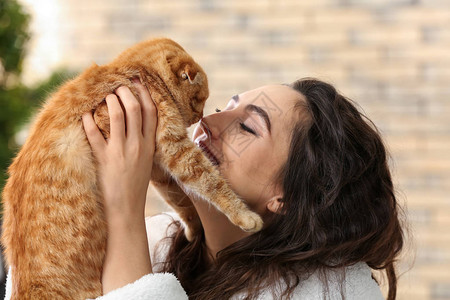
[150,286]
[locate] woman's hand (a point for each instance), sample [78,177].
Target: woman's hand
[126,158]
[124,165]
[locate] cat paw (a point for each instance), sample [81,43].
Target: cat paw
[248,221]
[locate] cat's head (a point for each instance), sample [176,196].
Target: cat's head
[187,82]
[182,76]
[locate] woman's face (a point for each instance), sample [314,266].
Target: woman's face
[249,141]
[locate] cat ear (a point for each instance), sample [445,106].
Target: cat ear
[193,76]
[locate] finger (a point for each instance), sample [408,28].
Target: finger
[132,110]
[149,110]
[116,117]
[93,134]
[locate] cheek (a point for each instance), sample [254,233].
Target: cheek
[249,173]
[259,163]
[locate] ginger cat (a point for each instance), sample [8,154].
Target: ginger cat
[54,231]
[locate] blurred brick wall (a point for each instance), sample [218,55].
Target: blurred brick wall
[392,57]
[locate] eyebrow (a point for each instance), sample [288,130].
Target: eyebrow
[253,108]
[261,112]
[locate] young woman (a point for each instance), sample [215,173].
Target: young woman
[300,155]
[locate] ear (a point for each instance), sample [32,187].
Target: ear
[275,204]
[192,75]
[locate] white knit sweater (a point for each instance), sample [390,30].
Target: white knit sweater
[358,283]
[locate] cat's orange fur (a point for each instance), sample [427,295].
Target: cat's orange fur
[54,231]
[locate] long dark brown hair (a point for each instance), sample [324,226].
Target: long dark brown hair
[339,208]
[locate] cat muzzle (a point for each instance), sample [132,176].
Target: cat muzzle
[196,117]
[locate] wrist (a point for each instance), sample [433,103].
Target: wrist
[125,220]
[127,255]
[124,209]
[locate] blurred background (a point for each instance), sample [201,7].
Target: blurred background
[390,56]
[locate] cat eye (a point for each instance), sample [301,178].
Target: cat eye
[246,128]
[184,76]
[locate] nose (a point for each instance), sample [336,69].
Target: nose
[218,123]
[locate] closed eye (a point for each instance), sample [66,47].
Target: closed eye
[246,128]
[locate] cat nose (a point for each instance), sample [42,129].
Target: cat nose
[197,117]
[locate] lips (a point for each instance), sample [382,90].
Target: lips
[209,154]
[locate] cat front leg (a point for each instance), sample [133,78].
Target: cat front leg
[171,192]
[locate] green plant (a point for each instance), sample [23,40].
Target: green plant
[17,101]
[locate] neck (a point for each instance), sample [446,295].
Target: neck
[219,231]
